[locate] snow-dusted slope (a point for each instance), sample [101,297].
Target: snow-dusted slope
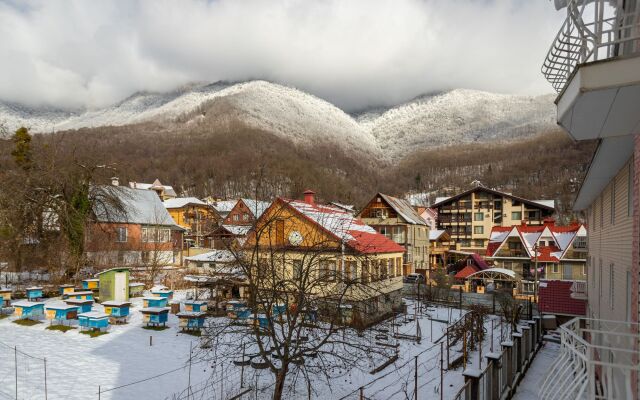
[458,116]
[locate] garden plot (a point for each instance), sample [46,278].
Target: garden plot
[123,365]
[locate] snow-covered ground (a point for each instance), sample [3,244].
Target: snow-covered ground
[532,381]
[125,366]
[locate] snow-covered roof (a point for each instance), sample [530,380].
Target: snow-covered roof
[257,207]
[224,207]
[495,270]
[168,190]
[180,202]
[191,314]
[94,315]
[113,303]
[404,209]
[546,203]
[155,310]
[237,230]
[441,199]
[224,256]
[58,305]
[25,303]
[345,227]
[138,207]
[541,203]
[435,234]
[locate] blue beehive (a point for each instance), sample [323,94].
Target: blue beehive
[117,310]
[195,306]
[34,293]
[279,309]
[93,320]
[159,302]
[191,320]
[84,306]
[66,289]
[83,295]
[91,284]
[154,316]
[28,309]
[61,311]
[166,293]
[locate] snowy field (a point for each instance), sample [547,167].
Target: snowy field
[123,365]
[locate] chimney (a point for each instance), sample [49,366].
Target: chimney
[309,197]
[115,181]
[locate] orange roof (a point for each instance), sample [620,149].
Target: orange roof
[466,271]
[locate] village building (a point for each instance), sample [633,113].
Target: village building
[429,215]
[137,232]
[245,212]
[559,252]
[439,246]
[222,207]
[198,219]
[219,270]
[344,250]
[397,220]
[470,216]
[164,191]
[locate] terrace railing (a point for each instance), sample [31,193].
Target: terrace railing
[598,360]
[593,30]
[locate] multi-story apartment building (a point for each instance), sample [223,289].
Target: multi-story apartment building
[470,216]
[594,64]
[397,220]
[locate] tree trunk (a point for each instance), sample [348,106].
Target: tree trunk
[281,377]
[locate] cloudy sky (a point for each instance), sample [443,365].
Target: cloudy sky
[354,53]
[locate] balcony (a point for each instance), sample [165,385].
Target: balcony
[579,290]
[598,360]
[594,64]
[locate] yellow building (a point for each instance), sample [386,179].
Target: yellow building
[470,216]
[333,255]
[197,217]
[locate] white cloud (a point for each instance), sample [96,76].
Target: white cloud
[354,53]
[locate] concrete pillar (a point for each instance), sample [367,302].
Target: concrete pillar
[517,349]
[472,375]
[538,322]
[526,343]
[494,390]
[535,337]
[507,350]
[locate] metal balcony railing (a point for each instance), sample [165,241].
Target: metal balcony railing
[593,30]
[598,359]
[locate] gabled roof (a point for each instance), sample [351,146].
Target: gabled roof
[466,271]
[237,230]
[440,201]
[168,190]
[403,208]
[139,206]
[224,207]
[343,226]
[436,234]
[563,237]
[180,202]
[256,207]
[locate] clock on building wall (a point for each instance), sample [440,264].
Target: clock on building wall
[295,238]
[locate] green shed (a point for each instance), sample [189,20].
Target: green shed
[114,284]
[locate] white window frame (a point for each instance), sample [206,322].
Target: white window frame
[119,231]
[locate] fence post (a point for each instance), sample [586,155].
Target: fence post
[534,334]
[493,359]
[441,371]
[472,377]
[15,359]
[361,393]
[45,378]
[493,299]
[460,295]
[526,344]
[507,350]
[518,359]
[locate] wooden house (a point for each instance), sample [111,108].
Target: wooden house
[439,246]
[34,293]
[94,320]
[245,212]
[348,251]
[137,232]
[155,316]
[61,312]
[118,311]
[114,284]
[397,220]
[227,237]
[197,218]
[84,305]
[28,309]
[191,320]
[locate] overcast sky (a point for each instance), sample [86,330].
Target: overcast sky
[354,53]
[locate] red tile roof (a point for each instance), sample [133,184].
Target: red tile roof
[466,271]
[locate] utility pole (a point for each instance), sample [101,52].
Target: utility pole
[441,371]
[535,279]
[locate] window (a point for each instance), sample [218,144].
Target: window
[611,288]
[156,235]
[391,267]
[580,242]
[555,268]
[328,270]
[236,217]
[245,217]
[399,266]
[516,215]
[630,190]
[613,201]
[478,216]
[380,213]
[382,269]
[479,243]
[297,269]
[478,230]
[121,234]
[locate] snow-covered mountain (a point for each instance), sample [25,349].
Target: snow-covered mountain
[457,116]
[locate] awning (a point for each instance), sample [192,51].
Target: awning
[496,274]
